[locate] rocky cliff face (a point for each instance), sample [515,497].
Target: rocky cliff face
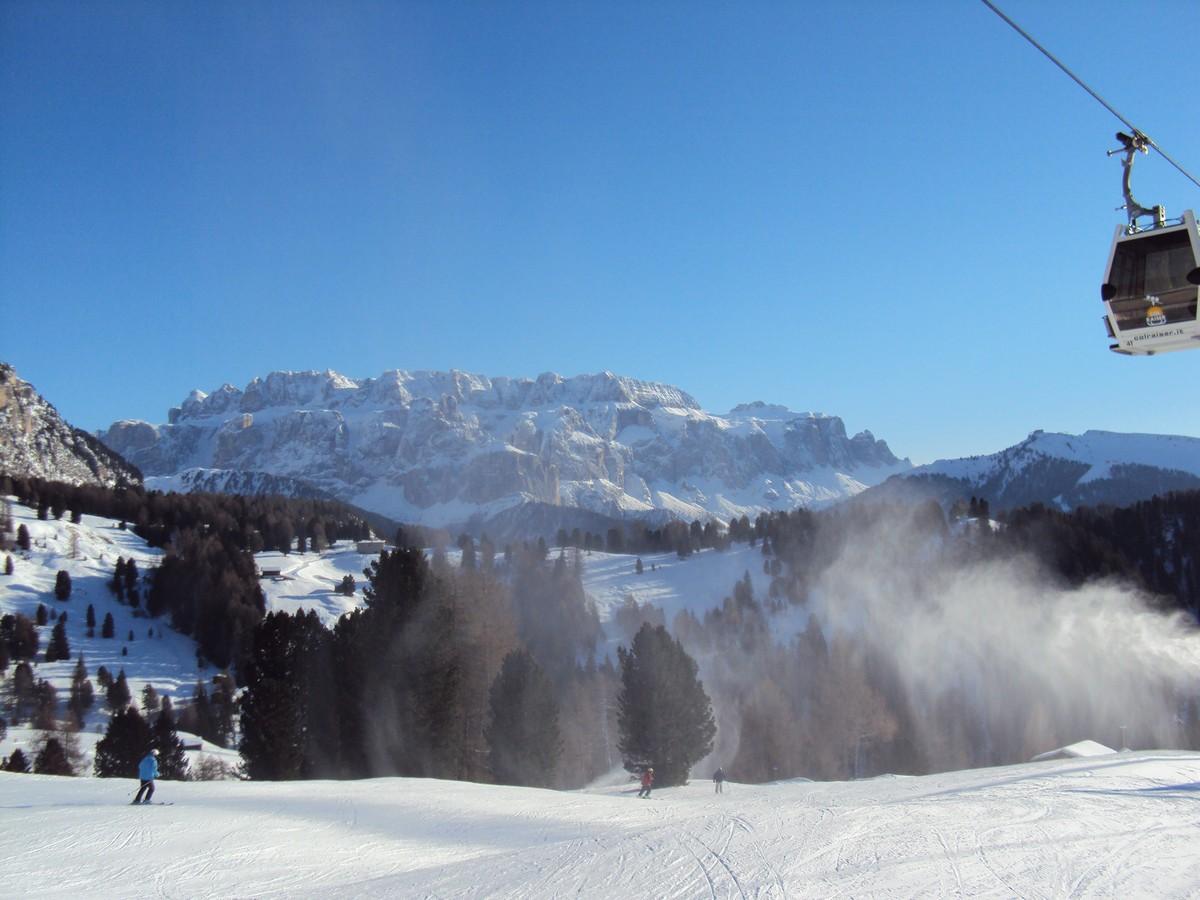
[448,448]
[35,442]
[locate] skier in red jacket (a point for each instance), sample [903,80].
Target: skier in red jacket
[647,782]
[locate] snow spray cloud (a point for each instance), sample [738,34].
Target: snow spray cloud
[994,662]
[900,656]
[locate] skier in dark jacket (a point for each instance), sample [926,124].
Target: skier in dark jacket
[647,783]
[147,772]
[719,780]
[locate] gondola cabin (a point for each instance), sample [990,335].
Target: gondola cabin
[1151,287]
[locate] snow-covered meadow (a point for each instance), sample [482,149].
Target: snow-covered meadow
[1119,826]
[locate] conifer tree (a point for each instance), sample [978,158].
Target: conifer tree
[664,715]
[150,699]
[523,737]
[117,584]
[20,635]
[172,764]
[117,696]
[224,704]
[45,706]
[276,708]
[62,585]
[82,695]
[58,648]
[467,545]
[23,692]
[18,762]
[22,537]
[126,741]
[8,564]
[90,620]
[42,616]
[196,717]
[108,629]
[130,575]
[53,759]
[397,580]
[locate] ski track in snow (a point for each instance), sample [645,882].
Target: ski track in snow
[1121,826]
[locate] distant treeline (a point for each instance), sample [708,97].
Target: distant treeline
[438,673]
[1154,544]
[249,522]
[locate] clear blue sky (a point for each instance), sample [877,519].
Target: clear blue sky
[895,212]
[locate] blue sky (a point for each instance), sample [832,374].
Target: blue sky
[898,213]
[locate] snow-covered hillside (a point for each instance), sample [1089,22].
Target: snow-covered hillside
[699,583]
[455,449]
[1122,825]
[147,650]
[1066,470]
[88,552]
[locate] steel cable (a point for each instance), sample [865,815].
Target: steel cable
[1079,81]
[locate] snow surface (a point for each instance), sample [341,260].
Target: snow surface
[699,583]
[307,581]
[1117,826]
[1078,750]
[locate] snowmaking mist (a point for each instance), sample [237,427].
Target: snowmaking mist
[1035,663]
[915,660]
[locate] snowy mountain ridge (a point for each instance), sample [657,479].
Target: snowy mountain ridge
[454,448]
[1066,470]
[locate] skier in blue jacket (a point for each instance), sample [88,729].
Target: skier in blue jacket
[147,772]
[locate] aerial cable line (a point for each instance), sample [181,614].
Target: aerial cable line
[1054,59]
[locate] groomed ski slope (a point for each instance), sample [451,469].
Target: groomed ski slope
[1117,826]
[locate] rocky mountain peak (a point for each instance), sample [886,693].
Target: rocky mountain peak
[446,448]
[35,441]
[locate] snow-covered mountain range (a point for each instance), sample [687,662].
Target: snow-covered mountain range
[36,442]
[1066,470]
[460,450]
